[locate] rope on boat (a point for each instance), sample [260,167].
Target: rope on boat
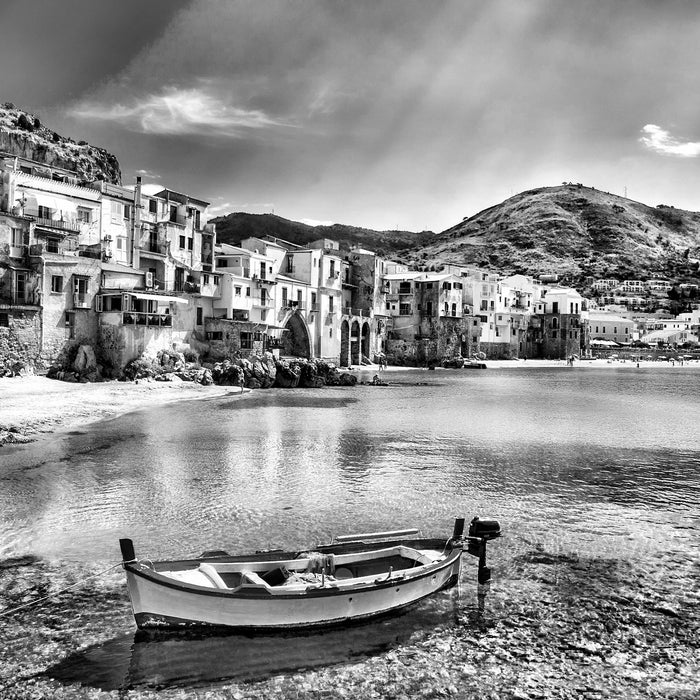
[3,613]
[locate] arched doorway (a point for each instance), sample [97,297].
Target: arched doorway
[355,343]
[295,341]
[365,341]
[344,344]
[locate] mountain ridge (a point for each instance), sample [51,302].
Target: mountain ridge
[234,227]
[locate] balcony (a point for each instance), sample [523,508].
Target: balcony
[70,225]
[155,247]
[262,303]
[18,251]
[263,280]
[140,318]
[81,300]
[68,247]
[314,308]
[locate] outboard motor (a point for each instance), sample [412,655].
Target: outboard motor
[481,532]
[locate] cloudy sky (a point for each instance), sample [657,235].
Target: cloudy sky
[380,113]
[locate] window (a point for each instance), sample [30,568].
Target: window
[20,286]
[205,279]
[299,297]
[330,304]
[190,243]
[152,206]
[429,285]
[555,307]
[404,309]
[84,215]
[80,285]
[454,309]
[120,243]
[246,341]
[215,335]
[237,290]
[4,319]
[182,242]
[284,296]
[117,212]
[554,335]
[173,213]
[19,237]
[45,212]
[330,332]
[429,308]
[127,211]
[313,298]
[200,315]
[197,219]
[56,284]
[247,291]
[332,272]
[52,245]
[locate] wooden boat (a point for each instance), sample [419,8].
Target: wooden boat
[354,577]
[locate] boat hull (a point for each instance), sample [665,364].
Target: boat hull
[158,602]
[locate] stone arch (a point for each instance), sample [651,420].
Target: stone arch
[365,344]
[296,341]
[355,343]
[344,344]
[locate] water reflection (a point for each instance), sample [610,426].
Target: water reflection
[188,659]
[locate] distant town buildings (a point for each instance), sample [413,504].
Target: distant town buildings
[134,270]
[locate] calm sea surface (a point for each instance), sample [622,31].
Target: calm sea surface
[601,462]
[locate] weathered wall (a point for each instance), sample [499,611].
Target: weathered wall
[20,339]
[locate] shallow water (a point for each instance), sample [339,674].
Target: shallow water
[595,462]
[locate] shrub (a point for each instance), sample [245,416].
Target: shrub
[191,355]
[37,123]
[24,123]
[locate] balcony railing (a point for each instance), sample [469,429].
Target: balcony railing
[315,308]
[140,318]
[70,225]
[54,248]
[155,247]
[81,300]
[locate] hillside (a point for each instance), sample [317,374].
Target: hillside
[22,134]
[232,228]
[574,231]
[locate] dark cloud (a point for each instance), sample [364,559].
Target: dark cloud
[393,112]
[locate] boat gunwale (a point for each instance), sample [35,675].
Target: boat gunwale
[452,552]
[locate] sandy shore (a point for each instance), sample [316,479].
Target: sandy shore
[33,405]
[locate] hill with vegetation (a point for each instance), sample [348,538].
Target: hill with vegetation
[233,228]
[22,134]
[575,232]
